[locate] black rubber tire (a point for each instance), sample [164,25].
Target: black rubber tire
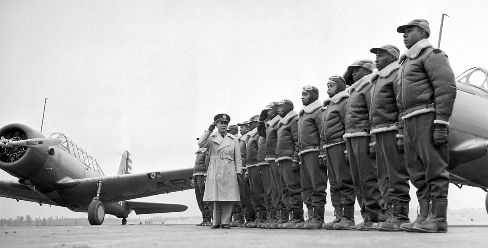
[96,212]
[124,221]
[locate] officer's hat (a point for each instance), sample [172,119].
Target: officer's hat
[232,127]
[421,23]
[310,89]
[285,101]
[222,118]
[393,50]
[272,105]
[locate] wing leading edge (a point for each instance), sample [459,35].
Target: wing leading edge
[23,192]
[131,186]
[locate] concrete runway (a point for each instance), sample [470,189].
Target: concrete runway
[198,237]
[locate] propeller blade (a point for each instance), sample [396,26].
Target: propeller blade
[35,142]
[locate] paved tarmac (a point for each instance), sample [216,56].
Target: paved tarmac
[198,237]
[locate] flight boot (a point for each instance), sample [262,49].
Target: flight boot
[281,218]
[285,218]
[437,221]
[347,219]
[266,220]
[296,218]
[272,219]
[399,216]
[309,219]
[318,219]
[263,217]
[257,221]
[384,215]
[424,206]
[337,218]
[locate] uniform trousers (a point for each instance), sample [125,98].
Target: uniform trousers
[268,184]
[340,178]
[292,186]
[313,180]
[279,187]
[364,174]
[392,162]
[257,189]
[222,212]
[426,163]
[204,207]
[246,197]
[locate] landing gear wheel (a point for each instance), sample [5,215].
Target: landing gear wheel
[124,221]
[96,212]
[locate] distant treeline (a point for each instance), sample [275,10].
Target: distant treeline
[50,221]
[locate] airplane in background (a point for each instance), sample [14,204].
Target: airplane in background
[468,131]
[58,172]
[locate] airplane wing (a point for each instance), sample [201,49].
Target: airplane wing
[23,192]
[152,208]
[130,186]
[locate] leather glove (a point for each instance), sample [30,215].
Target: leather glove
[400,145]
[372,150]
[440,134]
[240,178]
[295,166]
[322,162]
[211,127]
[263,115]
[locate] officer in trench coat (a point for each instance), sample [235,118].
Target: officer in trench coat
[221,186]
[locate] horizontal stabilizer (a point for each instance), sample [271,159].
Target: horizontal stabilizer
[152,208]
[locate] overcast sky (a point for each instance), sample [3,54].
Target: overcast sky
[149,76]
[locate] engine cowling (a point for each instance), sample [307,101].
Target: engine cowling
[20,161]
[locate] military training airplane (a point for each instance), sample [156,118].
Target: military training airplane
[468,132]
[58,172]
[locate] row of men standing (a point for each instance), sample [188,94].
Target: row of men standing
[378,130]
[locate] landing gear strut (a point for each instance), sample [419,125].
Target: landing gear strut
[96,210]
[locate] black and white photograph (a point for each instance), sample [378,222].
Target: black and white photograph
[232,123]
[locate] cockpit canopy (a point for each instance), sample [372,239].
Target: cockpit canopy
[77,151]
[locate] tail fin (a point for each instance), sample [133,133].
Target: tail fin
[125,166]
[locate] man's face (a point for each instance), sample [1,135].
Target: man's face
[306,98]
[222,126]
[244,129]
[331,88]
[253,125]
[383,59]
[272,112]
[413,35]
[284,109]
[233,131]
[359,72]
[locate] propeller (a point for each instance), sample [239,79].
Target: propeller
[35,142]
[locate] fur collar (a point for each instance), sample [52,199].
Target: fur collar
[385,72]
[285,120]
[253,132]
[337,97]
[361,83]
[415,50]
[244,137]
[311,107]
[273,121]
